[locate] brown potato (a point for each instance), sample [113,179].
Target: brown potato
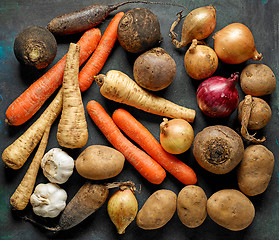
[257,80]
[138,30]
[260,113]
[255,170]
[99,162]
[191,206]
[154,70]
[158,209]
[231,209]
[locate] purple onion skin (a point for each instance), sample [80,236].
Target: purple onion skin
[217,97]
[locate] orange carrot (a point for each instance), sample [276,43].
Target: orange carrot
[96,62]
[137,132]
[144,164]
[32,99]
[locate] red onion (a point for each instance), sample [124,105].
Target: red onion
[218,96]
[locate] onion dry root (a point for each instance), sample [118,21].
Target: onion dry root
[198,24]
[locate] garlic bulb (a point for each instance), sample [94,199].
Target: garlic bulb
[48,200]
[57,165]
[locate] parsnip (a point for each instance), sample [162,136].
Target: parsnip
[22,194]
[16,154]
[72,128]
[118,87]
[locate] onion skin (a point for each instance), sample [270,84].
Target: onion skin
[122,208]
[217,96]
[200,61]
[234,44]
[176,135]
[198,24]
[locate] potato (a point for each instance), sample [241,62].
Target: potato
[158,209]
[255,170]
[257,80]
[154,70]
[99,162]
[138,30]
[231,209]
[191,206]
[260,113]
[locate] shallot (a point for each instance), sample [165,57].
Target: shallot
[200,61]
[217,96]
[234,44]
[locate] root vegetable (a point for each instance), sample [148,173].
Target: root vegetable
[198,24]
[72,128]
[231,209]
[98,162]
[118,87]
[218,149]
[200,61]
[96,62]
[253,113]
[137,132]
[257,80]
[191,206]
[35,46]
[234,44]
[88,17]
[122,208]
[255,170]
[154,70]
[176,135]
[138,30]
[144,164]
[15,155]
[20,198]
[32,99]
[158,210]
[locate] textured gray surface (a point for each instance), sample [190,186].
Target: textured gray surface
[261,16]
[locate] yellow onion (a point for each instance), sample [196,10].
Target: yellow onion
[198,24]
[235,44]
[122,208]
[200,61]
[176,135]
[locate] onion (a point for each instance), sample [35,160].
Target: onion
[176,135]
[122,208]
[218,96]
[235,44]
[198,24]
[200,61]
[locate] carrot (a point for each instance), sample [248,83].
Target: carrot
[118,87]
[72,128]
[137,132]
[22,194]
[96,62]
[144,164]
[16,154]
[32,99]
